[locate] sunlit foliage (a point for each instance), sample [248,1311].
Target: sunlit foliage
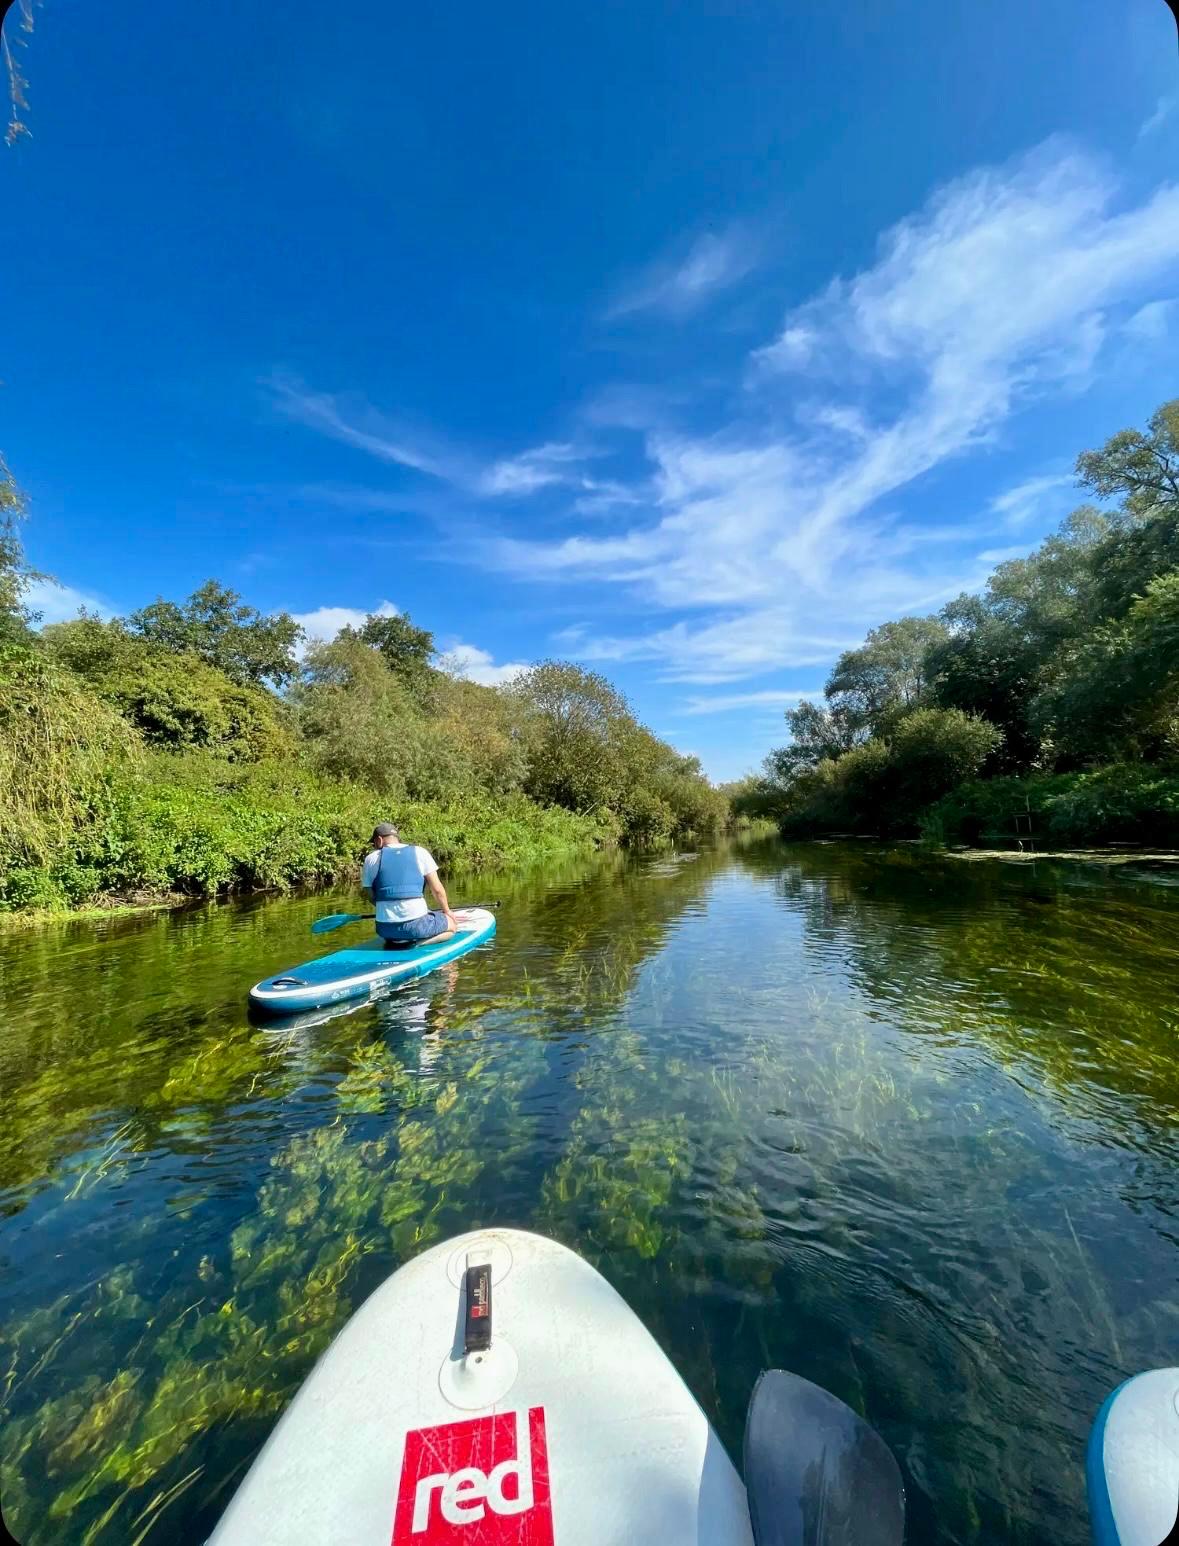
[1067,660]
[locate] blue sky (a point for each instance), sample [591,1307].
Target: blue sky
[688,340]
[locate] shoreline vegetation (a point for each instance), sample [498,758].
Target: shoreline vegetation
[204,749]
[1042,712]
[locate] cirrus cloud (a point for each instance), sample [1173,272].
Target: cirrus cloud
[998,293]
[713,262]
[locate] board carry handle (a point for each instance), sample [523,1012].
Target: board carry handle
[477,1306]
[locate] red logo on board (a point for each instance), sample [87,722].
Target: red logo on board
[483,1482]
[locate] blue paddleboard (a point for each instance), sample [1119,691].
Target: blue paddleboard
[363,969]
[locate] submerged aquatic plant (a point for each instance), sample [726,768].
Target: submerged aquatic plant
[873,1159]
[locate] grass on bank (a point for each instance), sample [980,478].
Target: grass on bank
[166,826]
[129,774]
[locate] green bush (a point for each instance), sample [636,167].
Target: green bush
[1123,803]
[442,740]
[175,700]
[985,810]
[932,751]
[1126,802]
[886,784]
[649,820]
[198,826]
[61,753]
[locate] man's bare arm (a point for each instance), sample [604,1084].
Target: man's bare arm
[433,880]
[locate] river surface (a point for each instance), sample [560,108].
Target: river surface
[904,1125]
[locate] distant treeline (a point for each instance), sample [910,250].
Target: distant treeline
[190,748]
[1054,694]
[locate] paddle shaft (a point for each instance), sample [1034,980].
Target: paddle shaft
[338,920]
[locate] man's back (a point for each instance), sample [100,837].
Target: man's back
[395,874]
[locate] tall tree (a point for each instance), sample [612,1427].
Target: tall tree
[215,624]
[360,722]
[1142,468]
[1004,648]
[405,648]
[1142,540]
[15,574]
[575,725]
[984,667]
[1117,694]
[886,675]
[817,735]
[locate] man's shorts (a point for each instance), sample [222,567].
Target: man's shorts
[413,931]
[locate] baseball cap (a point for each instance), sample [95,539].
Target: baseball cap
[385,829]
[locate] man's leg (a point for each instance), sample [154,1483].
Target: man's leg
[394,937]
[444,929]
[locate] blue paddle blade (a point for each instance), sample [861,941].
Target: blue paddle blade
[816,1474]
[337,921]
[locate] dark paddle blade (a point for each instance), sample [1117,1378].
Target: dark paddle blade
[816,1474]
[337,921]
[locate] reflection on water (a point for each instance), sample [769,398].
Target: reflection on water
[905,1126]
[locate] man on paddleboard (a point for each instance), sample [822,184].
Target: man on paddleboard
[393,876]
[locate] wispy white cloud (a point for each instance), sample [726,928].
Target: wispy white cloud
[723,650]
[723,703]
[324,623]
[476,665]
[791,350]
[992,556]
[714,261]
[356,423]
[361,498]
[545,465]
[1151,323]
[1164,108]
[1040,495]
[994,295]
[779,531]
[57,603]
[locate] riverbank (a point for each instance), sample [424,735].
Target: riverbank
[1119,806]
[1123,804]
[180,829]
[116,783]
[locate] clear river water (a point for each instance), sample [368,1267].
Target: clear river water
[903,1124]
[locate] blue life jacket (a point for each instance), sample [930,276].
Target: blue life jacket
[387,885]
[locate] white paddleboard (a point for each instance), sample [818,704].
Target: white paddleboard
[570,1429]
[1132,1467]
[357,971]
